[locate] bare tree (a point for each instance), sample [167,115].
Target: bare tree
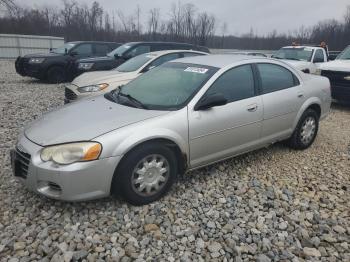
[153,22]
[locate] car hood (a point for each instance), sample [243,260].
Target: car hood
[301,65]
[99,77]
[44,55]
[337,65]
[96,59]
[84,120]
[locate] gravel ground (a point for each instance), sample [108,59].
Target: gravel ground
[275,204]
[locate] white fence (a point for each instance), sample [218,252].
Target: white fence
[12,46]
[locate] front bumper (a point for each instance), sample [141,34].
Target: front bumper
[24,68]
[74,182]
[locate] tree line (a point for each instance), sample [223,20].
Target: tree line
[183,23]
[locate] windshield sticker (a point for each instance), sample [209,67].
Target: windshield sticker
[197,70]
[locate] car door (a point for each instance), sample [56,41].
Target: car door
[282,96]
[222,131]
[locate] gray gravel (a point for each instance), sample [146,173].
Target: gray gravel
[275,204]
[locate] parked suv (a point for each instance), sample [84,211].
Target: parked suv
[182,115]
[54,66]
[127,51]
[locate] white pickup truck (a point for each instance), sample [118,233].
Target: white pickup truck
[338,72]
[305,58]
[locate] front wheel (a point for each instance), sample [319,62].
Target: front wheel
[306,130]
[145,174]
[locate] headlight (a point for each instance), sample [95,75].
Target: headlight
[85,66]
[70,153]
[36,60]
[93,88]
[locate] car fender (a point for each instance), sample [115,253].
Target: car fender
[146,135]
[306,104]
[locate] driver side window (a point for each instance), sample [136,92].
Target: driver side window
[318,56]
[235,84]
[83,49]
[141,49]
[163,59]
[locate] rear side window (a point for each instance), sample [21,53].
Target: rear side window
[275,78]
[101,49]
[84,49]
[235,84]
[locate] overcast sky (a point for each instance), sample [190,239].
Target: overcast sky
[240,15]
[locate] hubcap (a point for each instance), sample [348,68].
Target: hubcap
[308,130]
[150,175]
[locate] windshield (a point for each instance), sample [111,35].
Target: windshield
[120,50]
[134,63]
[345,55]
[297,53]
[62,49]
[168,87]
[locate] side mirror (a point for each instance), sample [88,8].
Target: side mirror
[210,101]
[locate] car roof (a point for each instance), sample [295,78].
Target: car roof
[218,61]
[93,42]
[302,46]
[159,42]
[164,52]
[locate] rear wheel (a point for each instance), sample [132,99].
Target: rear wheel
[145,174]
[56,74]
[306,130]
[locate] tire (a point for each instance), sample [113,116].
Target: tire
[306,130]
[56,74]
[141,171]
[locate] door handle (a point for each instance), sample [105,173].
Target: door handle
[252,108]
[300,95]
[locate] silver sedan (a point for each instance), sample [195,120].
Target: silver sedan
[183,115]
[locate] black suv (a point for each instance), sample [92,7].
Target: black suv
[54,66]
[127,51]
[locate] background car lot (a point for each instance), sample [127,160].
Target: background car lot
[275,202]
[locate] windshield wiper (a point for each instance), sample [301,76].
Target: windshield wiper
[136,102]
[116,93]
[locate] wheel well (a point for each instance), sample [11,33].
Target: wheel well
[316,108]
[180,156]
[52,66]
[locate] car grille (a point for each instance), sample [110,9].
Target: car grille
[69,94]
[337,79]
[22,163]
